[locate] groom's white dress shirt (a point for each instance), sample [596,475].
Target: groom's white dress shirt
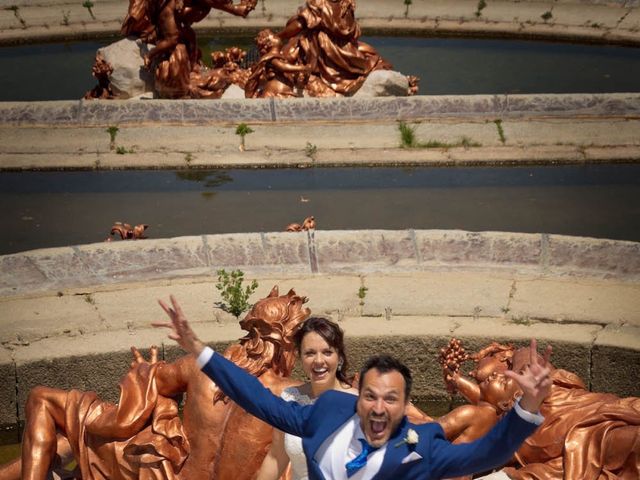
[342,447]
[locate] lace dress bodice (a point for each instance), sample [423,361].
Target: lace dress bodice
[293,444]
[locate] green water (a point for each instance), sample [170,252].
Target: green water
[9,452]
[601,201]
[446,66]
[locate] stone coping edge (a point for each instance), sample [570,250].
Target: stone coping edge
[421,107]
[315,252]
[43,20]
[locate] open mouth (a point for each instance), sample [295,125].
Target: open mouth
[320,372]
[378,427]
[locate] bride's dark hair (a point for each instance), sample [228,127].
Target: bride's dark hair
[333,335]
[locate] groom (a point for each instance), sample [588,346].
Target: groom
[369,437]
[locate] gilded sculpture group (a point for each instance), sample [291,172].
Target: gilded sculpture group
[318,53]
[585,435]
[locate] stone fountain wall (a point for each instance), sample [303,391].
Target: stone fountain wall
[69,315]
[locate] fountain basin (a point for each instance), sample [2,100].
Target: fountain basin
[70,314]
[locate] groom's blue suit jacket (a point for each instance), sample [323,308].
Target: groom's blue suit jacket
[314,423]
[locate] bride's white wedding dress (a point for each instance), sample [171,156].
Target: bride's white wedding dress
[293,444]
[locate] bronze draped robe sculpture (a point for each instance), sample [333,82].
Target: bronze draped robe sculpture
[585,435]
[324,34]
[142,436]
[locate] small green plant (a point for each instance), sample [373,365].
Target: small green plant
[362,293]
[243,130]
[188,157]
[310,150]
[65,17]
[89,299]
[466,142]
[546,15]
[521,321]
[481,6]
[406,7]
[498,123]
[437,144]
[113,132]
[407,135]
[232,292]
[123,150]
[88,4]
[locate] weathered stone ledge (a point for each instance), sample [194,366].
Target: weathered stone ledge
[615,21]
[320,252]
[422,107]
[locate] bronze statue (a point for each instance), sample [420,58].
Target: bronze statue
[584,435]
[167,23]
[212,82]
[324,36]
[308,223]
[176,58]
[127,232]
[101,71]
[142,436]
[275,75]
[318,53]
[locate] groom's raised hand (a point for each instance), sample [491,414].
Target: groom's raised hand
[181,331]
[534,379]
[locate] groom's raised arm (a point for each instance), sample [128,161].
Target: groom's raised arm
[241,387]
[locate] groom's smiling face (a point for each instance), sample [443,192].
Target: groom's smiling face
[381,405]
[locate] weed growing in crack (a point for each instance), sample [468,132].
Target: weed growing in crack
[88,4]
[407,135]
[498,123]
[362,293]
[243,130]
[113,132]
[232,292]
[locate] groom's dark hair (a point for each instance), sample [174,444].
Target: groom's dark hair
[385,364]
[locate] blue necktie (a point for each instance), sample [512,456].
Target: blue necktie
[361,460]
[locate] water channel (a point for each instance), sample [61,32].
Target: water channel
[62,71]
[49,209]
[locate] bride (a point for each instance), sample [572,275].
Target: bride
[320,346]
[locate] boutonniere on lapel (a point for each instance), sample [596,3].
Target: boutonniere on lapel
[411,439]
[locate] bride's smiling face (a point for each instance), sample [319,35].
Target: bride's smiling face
[319,359]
